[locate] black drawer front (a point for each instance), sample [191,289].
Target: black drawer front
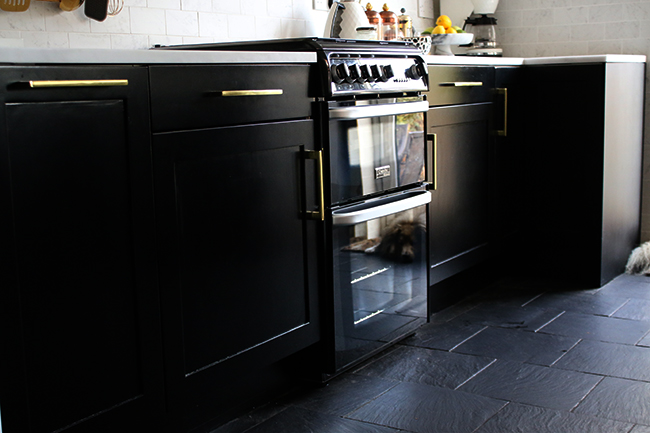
[459,84]
[192,97]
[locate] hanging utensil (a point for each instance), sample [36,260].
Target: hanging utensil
[14,5]
[96,9]
[70,5]
[115,7]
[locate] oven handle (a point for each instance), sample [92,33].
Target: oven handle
[361,111]
[349,216]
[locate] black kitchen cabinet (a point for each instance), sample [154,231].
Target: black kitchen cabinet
[79,303]
[238,245]
[458,130]
[583,159]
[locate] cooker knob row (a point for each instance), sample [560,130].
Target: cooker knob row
[360,73]
[415,72]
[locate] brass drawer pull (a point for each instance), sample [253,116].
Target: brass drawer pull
[264,92]
[461,84]
[317,155]
[78,83]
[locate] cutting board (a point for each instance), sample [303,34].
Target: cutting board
[14,5]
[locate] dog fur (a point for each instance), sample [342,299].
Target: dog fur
[399,239]
[639,261]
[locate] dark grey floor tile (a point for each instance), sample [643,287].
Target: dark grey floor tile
[300,420]
[342,395]
[640,429]
[518,418]
[251,419]
[608,359]
[597,328]
[532,384]
[634,309]
[425,409]
[509,316]
[645,341]
[587,302]
[443,336]
[629,286]
[518,345]
[619,399]
[425,366]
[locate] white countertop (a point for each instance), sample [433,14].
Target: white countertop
[518,61]
[141,57]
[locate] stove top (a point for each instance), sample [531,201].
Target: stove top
[347,67]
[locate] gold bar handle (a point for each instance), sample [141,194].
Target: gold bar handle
[434,157]
[461,84]
[261,92]
[77,83]
[504,132]
[317,155]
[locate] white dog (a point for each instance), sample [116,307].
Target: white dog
[639,261]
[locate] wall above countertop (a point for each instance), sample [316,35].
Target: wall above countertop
[145,23]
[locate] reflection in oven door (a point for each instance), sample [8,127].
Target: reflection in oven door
[380,278]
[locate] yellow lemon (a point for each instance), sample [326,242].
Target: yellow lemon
[451,30]
[438,30]
[443,20]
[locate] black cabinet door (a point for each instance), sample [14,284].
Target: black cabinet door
[458,213]
[238,271]
[79,306]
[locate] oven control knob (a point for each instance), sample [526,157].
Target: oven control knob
[366,73]
[355,73]
[378,73]
[341,73]
[388,71]
[415,72]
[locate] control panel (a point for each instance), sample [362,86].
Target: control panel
[357,74]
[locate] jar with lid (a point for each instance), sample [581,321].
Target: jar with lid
[375,20]
[389,29]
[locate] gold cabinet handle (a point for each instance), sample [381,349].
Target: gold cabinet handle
[317,155]
[504,132]
[461,84]
[434,165]
[261,92]
[77,83]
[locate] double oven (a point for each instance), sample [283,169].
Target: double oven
[374,181]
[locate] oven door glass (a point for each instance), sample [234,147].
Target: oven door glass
[375,146]
[380,283]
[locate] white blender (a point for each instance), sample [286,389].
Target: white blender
[484,29]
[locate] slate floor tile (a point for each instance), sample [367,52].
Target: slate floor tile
[629,286]
[640,429]
[518,418]
[509,316]
[517,345]
[425,366]
[598,328]
[634,309]
[604,304]
[645,341]
[609,359]
[443,336]
[427,409]
[619,399]
[532,384]
[342,395]
[300,420]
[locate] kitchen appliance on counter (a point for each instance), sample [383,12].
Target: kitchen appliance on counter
[374,189]
[484,29]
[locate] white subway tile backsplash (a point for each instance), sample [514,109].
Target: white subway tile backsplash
[90,41]
[570,16]
[253,7]
[554,34]
[118,24]
[213,26]
[46,39]
[587,32]
[606,14]
[164,4]
[129,42]
[196,5]
[268,28]
[30,20]
[226,6]
[164,40]
[622,30]
[182,23]
[240,28]
[147,21]
[537,17]
[604,47]
[293,28]
[279,8]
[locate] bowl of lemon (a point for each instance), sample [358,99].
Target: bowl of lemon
[444,35]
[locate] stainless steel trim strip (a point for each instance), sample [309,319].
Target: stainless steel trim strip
[381,210]
[362,111]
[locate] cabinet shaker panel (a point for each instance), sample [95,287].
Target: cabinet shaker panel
[79,300]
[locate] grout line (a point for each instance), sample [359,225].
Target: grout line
[614,312]
[471,336]
[531,300]
[588,392]
[476,374]
[568,350]
[488,420]
[538,329]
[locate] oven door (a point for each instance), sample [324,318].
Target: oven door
[379,273]
[375,145]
